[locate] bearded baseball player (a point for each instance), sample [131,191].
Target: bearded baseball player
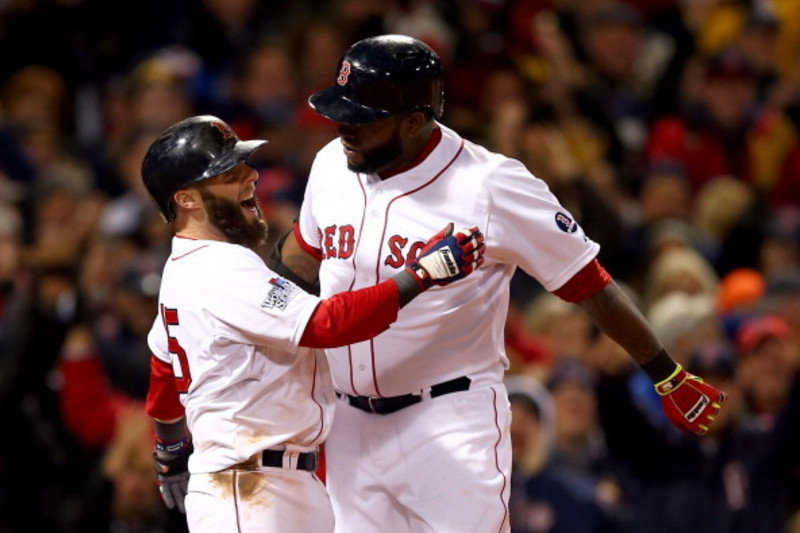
[240,396]
[420,441]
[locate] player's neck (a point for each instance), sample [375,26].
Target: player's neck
[419,153]
[199,230]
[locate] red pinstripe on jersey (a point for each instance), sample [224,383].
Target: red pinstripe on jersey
[313,395]
[497,460]
[383,238]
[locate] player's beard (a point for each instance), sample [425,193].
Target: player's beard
[228,218]
[379,157]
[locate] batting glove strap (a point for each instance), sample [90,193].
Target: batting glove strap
[689,403]
[177,446]
[675,380]
[420,275]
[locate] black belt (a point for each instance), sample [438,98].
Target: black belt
[385,405]
[305,460]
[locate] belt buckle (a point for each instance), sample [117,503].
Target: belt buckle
[371,405]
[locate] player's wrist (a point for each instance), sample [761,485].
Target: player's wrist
[660,368]
[672,382]
[408,285]
[171,430]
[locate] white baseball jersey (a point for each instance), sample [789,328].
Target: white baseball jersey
[367,228]
[230,328]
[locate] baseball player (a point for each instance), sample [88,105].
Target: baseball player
[420,440]
[240,396]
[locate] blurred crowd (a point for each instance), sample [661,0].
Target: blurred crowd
[669,128]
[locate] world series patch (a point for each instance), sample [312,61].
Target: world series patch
[279,295]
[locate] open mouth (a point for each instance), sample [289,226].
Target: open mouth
[250,204]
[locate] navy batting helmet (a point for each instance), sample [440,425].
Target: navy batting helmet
[189,151]
[380,76]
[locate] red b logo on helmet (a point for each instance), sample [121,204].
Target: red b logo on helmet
[223,128]
[344,73]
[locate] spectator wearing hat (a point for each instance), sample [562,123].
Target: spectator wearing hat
[765,367]
[782,297]
[740,291]
[740,294]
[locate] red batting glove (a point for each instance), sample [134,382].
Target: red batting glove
[689,403]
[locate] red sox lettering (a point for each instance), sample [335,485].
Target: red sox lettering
[397,244]
[345,241]
[338,242]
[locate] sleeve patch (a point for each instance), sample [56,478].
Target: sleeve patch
[279,294]
[565,223]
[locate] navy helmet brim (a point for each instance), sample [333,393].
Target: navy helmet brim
[240,152]
[332,104]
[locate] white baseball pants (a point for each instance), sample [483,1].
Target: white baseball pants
[439,466]
[269,500]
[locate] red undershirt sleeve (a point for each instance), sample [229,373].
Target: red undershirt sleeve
[351,317]
[586,283]
[163,400]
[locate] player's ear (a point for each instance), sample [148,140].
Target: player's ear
[415,122]
[188,199]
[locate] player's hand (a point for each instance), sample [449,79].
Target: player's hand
[172,471]
[689,403]
[448,257]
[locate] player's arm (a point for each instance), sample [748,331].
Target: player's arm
[173,444]
[355,316]
[295,263]
[689,403]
